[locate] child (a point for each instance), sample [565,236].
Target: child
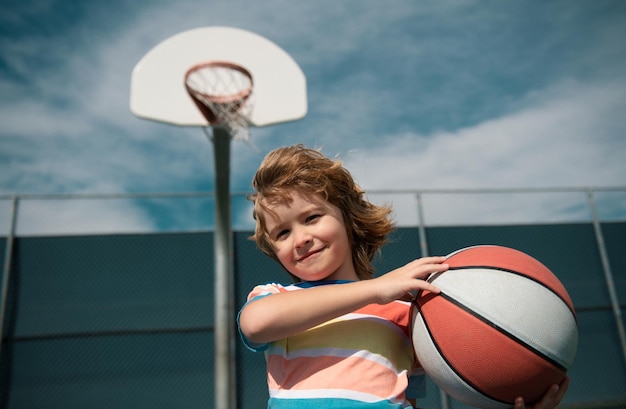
[337,337]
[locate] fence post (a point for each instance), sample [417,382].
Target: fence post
[421,226]
[608,274]
[6,271]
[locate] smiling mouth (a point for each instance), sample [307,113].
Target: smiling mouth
[308,255]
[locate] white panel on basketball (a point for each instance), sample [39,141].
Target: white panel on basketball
[502,298]
[442,374]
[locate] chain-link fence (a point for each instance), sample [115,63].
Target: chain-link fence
[108,299]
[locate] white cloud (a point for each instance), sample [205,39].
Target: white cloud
[70,129]
[566,136]
[79,216]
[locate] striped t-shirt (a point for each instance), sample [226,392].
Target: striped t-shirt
[359,360]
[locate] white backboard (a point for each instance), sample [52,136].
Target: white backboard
[158,92]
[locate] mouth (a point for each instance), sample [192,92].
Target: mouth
[308,255]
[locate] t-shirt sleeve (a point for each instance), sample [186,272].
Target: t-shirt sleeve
[258,292]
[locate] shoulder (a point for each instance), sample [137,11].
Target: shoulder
[262,290]
[275,288]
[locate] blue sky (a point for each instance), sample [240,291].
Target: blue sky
[410,94]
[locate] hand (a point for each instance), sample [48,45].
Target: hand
[550,400]
[399,283]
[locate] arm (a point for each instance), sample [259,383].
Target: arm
[281,315]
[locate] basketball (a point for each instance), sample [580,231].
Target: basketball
[503,326]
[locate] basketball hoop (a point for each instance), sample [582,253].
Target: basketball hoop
[222,92]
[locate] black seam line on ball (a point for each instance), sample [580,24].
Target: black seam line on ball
[504,331]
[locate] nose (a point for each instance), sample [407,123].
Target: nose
[302,237]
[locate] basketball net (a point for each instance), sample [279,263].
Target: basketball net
[222,91]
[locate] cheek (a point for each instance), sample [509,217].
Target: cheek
[282,253]
[345,243]
[340,232]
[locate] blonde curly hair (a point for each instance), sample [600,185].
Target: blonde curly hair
[308,171]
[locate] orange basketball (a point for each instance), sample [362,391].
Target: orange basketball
[503,326]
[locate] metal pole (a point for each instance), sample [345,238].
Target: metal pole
[421,227]
[608,275]
[6,271]
[224,351]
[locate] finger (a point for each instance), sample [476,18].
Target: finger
[423,267]
[426,271]
[562,389]
[425,285]
[407,297]
[430,260]
[549,399]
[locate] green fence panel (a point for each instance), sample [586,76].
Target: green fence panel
[126,321]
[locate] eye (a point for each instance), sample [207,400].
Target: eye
[312,218]
[282,234]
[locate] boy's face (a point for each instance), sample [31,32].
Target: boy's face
[309,238]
